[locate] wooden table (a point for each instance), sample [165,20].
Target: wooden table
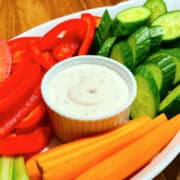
[17,16]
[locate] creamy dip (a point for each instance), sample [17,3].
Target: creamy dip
[88,90]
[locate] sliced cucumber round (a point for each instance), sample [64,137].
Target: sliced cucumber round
[106,46]
[147,99]
[139,42]
[170,23]
[171,103]
[123,54]
[156,33]
[157,7]
[129,20]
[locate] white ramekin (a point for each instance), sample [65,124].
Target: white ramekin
[68,127]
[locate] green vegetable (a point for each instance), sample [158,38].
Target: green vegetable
[6,170]
[139,42]
[157,7]
[171,103]
[129,20]
[147,99]
[102,32]
[170,23]
[156,34]
[106,46]
[123,54]
[19,169]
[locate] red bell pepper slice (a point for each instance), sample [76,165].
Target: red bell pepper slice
[67,47]
[32,142]
[33,118]
[5,60]
[51,39]
[22,90]
[9,123]
[45,59]
[89,34]
[11,82]
[21,43]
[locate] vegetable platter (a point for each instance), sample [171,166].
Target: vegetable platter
[133,33]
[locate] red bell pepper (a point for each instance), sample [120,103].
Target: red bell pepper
[10,84]
[51,39]
[22,90]
[85,46]
[45,59]
[32,142]
[33,118]
[21,43]
[7,124]
[67,47]
[5,60]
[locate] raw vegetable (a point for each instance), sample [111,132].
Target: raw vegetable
[147,99]
[19,171]
[31,142]
[88,39]
[130,20]
[33,118]
[5,61]
[139,42]
[157,7]
[156,33]
[67,149]
[123,54]
[101,150]
[171,103]
[67,47]
[53,37]
[44,59]
[102,32]
[24,89]
[9,123]
[130,159]
[6,168]
[170,25]
[106,46]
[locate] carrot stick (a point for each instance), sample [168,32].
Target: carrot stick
[75,145]
[133,157]
[73,164]
[66,149]
[32,169]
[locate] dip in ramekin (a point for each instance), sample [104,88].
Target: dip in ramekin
[87,95]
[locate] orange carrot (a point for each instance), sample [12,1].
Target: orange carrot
[66,149]
[125,162]
[32,169]
[69,166]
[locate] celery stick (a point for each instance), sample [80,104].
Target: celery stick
[6,170]
[19,169]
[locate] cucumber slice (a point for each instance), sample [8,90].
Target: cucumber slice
[147,99]
[123,54]
[165,54]
[139,42]
[6,171]
[106,46]
[157,7]
[129,20]
[170,23]
[19,169]
[168,69]
[156,33]
[171,103]
[102,32]
[174,51]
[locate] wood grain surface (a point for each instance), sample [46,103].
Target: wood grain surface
[17,16]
